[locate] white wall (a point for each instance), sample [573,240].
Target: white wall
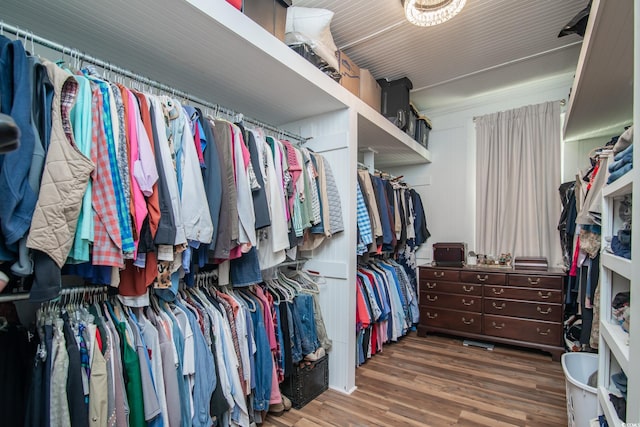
[447,185]
[335,137]
[576,156]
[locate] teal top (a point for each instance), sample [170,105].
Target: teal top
[82,133]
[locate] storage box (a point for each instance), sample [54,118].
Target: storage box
[449,254]
[308,53]
[394,103]
[270,14]
[530,263]
[307,382]
[370,91]
[349,73]
[423,127]
[411,121]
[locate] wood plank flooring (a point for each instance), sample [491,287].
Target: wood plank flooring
[436,381]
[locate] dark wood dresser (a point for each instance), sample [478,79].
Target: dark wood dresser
[518,307]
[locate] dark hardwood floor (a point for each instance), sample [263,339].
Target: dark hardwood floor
[436,381]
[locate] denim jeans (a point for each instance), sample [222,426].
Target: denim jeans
[245,271]
[618,173]
[294,335]
[304,319]
[263,360]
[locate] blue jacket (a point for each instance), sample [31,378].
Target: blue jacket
[18,198]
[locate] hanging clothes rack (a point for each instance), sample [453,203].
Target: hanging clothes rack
[30,37]
[18,296]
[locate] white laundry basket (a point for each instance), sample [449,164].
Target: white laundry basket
[582,400]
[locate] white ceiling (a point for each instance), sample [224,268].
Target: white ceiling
[490,45]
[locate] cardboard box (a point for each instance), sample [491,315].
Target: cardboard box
[270,14]
[370,91]
[349,73]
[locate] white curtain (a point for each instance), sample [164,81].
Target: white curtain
[517,180]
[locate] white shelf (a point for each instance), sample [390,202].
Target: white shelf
[211,50]
[601,99]
[618,342]
[607,408]
[380,136]
[620,187]
[617,264]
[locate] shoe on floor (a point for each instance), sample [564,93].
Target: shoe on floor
[316,355]
[276,409]
[286,403]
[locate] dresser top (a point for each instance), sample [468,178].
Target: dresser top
[497,269]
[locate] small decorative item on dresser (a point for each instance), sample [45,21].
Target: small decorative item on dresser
[530,263]
[450,254]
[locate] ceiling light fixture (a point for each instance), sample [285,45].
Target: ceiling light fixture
[425,13]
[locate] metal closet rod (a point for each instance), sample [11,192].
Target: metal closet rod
[107,66]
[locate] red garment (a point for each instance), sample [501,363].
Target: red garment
[107,242]
[196,139]
[134,281]
[295,169]
[593,175]
[363,320]
[99,340]
[574,263]
[153,204]
[374,339]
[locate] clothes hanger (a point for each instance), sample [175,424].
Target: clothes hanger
[247,299]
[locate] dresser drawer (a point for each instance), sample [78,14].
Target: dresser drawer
[523,330]
[536,295]
[450,287]
[483,278]
[529,310]
[451,319]
[454,301]
[439,274]
[535,281]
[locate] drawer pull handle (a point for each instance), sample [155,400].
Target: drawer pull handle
[431,285]
[482,278]
[497,292]
[547,332]
[467,303]
[533,281]
[467,322]
[548,295]
[432,316]
[438,274]
[464,288]
[495,325]
[502,305]
[547,311]
[432,298]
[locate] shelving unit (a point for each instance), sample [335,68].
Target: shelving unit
[603,100]
[602,92]
[211,50]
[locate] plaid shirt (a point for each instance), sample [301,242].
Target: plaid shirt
[364,223]
[107,244]
[124,217]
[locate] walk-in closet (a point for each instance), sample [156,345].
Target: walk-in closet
[318,212]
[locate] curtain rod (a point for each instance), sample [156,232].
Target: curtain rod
[107,66]
[563,102]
